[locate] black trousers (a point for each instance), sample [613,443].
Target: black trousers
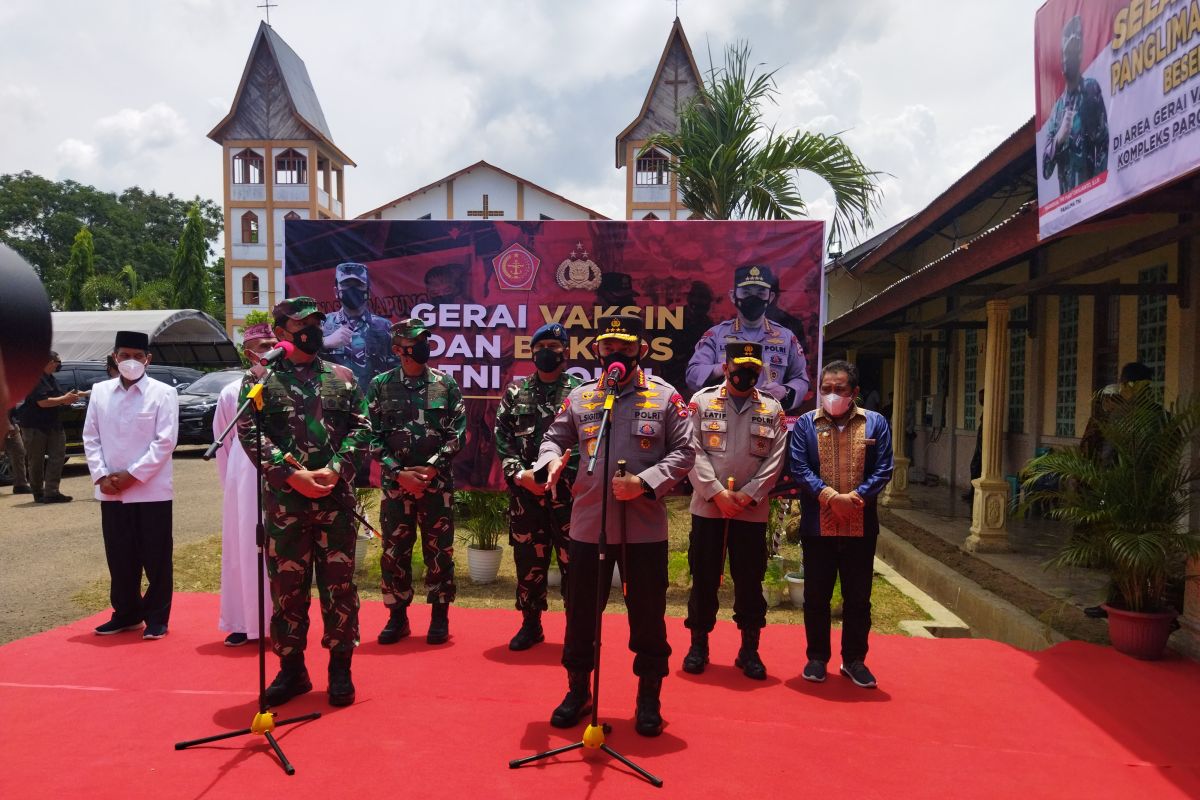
[646,583]
[137,537]
[825,559]
[747,566]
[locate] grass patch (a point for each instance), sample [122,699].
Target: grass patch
[198,569]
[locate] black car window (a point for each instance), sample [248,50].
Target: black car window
[67,380]
[87,378]
[213,382]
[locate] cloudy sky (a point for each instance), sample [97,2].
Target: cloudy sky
[122,92]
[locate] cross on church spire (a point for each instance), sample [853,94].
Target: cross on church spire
[674,82]
[485,213]
[268,5]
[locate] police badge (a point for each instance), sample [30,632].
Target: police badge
[577,271]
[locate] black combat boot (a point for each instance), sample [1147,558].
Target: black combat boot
[397,626]
[577,702]
[530,632]
[292,680]
[439,624]
[649,720]
[697,654]
[747,658]
[341,688]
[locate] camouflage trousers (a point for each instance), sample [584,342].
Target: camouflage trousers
[535,530]
[400,517]
[299,542]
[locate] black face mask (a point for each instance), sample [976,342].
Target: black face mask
[353,297]
[629,362]
[743,378]
[752,308]
[418,352]
[309,339]
[547,360]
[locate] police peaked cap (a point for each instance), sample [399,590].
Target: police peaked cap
[753,275]
[624,327]
[740,353]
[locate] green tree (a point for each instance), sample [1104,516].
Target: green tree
[104,293]
[189,270]
[216,290]
[81,268]
[155,294]
[732,165]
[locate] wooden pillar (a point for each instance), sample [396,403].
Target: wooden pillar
[989,515]
[896,494]
[851,354]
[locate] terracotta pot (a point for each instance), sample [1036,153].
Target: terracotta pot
[1139,634]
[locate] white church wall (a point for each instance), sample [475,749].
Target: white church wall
[431,202]
[470,188]
[537,202]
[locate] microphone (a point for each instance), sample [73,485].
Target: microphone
[283,350]
[616,371]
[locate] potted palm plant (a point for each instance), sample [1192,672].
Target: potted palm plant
[1128,502]
[483,518]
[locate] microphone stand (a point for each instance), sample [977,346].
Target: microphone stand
[264,722]
[593,734]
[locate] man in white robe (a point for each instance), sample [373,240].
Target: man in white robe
[240,560]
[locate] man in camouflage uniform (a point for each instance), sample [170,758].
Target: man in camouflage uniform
[739,435]
[1077,137]
[649,431]
[538,522]
[313,418]
[418,420]
[354,337]
[785,369]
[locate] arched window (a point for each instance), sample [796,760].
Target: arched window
[247,167]
[249,228]
[651,169]
[291,167]
[250,289]
[292,215]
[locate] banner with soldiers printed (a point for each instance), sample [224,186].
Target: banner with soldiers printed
[1118,102]
[484,287]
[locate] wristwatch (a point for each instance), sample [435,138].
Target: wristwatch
[646,489]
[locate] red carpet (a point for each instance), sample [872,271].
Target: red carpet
[85,716]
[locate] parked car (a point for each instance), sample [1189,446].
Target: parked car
[82,375]
[198,403]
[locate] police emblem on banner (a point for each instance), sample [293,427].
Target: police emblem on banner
[578,271]
[516,268]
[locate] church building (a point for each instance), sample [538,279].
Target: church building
[280,162]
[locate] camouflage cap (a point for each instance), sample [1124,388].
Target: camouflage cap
[740,353]
[410,328]
[297,308]
[753,275]
[351,270]
[625,327]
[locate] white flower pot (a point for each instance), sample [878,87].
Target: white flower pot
[360,551]
[554,577]
[795,582]
[483,565]
[616,578]
[772,596]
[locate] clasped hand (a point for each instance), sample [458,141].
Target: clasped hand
[845,506]
[116,482]
[313,484]
[730,503]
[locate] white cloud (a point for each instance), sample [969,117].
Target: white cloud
[130,132]
[76,155]
[22,104]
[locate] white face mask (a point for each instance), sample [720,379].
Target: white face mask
[835,405]
[131,369]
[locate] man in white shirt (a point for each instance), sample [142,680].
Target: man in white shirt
[129,434]
[240,559]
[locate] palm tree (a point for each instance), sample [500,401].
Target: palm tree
[732,165]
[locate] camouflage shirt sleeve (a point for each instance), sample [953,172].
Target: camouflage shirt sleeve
[275,469]
[373,438]
[357,436]
[454,427]
[506,450]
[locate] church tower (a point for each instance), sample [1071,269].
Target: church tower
[280,163]
[650,190]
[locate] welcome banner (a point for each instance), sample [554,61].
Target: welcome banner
[1118,102]
[486,286]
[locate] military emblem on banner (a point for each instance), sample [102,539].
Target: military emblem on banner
[578,271]
[516,268]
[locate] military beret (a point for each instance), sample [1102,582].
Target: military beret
[257,332]
[624,327]
[297,308]
[551,330]
[410,328]
[753,275]
[744,353]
